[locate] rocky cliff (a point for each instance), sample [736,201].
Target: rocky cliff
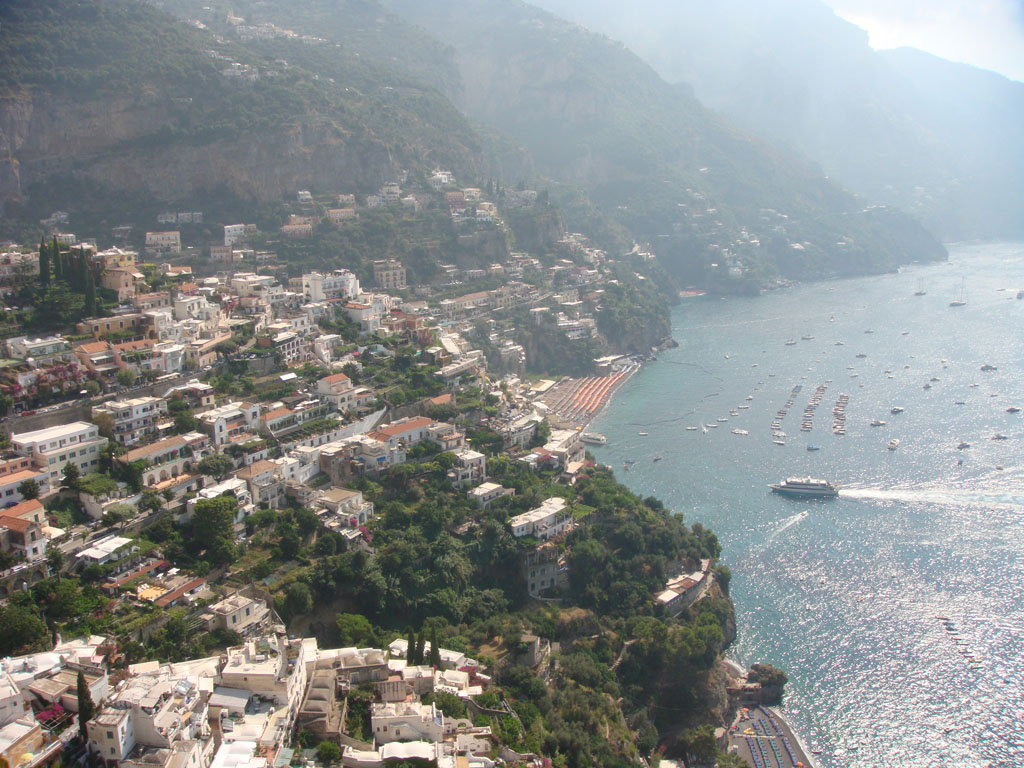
[124,144]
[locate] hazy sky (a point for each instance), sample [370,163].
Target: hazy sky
[986,33]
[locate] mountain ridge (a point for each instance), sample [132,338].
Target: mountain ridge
[931,137]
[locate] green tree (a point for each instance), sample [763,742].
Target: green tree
[185,421]
[23,630]
[29,489]
[300,598]
[55,559]
[410,645]
[58,260]
[420,645]
[435,651]
[289,542]
[354,629]
[86,708]
[125,377]
[91,307]
[212,527]
[306,520]
[44,265]
[216,465]
[328,752]
[72,477]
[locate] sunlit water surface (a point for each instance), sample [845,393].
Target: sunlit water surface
[845,594]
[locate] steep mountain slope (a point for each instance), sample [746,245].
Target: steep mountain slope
[902,128]
[703,192]
[118,97]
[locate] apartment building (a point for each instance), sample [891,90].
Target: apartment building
[134,418]
[389,274]
[78,443]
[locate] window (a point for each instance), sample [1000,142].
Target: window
[110,734]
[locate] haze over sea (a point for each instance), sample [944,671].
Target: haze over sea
[844,594]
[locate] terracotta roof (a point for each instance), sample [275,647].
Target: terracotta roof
[20,477]
[129,346]
[442,399]
[256,468]
[335,378]
[19,524]
[400,428]
[173,595]
[168,444]
[24,508]
[276,413]
[92,347]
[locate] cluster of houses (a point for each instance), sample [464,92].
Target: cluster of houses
[241,707]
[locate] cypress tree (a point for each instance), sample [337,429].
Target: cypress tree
[90,295]
[86,709]
[435,652]
[58,268]
[419,648]
[410,640]
[44,265]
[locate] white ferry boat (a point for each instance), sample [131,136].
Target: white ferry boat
[594,438]
[806,486]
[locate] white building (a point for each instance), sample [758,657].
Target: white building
[236,613]
[341,283]
[228,421]
[23,347]
[78,443]
[548,520]
[163,242]
[155,715]
[486,493]
[134,418]
[470,468]
[233,234]
[406,721]
[337,389]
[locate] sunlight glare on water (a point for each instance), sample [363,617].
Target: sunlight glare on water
[846,594]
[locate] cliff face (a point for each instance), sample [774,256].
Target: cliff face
[127,144]
[536,231]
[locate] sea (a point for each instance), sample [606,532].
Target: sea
[896,609]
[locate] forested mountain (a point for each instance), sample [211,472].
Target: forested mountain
[117,101]
[905,128]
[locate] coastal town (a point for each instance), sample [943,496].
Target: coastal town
[207,477]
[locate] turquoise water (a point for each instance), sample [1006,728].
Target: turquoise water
[844,594]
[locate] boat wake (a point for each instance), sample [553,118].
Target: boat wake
[786,524]
[942,496]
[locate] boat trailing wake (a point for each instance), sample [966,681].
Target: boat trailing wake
[786,524]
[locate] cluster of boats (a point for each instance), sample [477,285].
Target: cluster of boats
[808,421]
[723,419]
[839,414]
[961,644]
[778,436]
